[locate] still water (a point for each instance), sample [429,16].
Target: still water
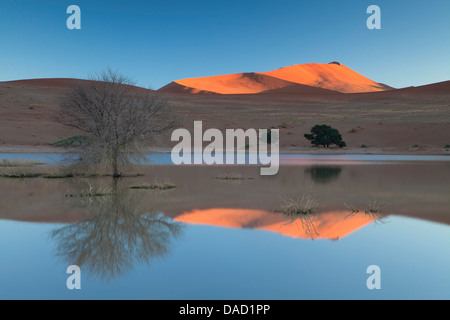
[310,232]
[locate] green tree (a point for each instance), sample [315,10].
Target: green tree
[324,135]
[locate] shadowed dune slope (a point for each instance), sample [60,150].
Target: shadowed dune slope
[300,89]
[174,87]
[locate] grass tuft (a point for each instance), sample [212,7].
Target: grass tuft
[91,192]
[23,175]
[156,185]
[306,205]
[5,163]
[230,176]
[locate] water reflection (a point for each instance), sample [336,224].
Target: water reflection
[303,212]
[313,225]
[118,233]
[323,174]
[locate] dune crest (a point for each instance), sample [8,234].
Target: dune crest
[331,76]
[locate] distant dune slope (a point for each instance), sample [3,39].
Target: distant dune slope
[57,83]
[50,82]
[434,88]
[332,77]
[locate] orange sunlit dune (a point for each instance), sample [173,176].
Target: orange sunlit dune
[304,78]
[329,225]
[329,76]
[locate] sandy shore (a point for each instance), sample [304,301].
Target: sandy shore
[292,150]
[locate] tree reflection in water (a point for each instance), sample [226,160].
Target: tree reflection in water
[118,234]
[323,174]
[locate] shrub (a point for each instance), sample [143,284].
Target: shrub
[230,176]
[75,141]
[335,62]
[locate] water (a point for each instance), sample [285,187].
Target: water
[286,159]
[219,238]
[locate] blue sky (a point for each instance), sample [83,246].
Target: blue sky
[156,42]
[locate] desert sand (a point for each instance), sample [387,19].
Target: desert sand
[412,120]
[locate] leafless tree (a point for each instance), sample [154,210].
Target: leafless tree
[117,118]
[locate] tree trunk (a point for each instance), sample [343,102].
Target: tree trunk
[115,166]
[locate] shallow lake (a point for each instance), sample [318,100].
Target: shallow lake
[286,159]
[225,232]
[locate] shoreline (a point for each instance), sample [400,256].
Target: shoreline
[429,151]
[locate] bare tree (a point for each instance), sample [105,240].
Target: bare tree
[117,118]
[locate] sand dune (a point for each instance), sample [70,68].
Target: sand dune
[334,77]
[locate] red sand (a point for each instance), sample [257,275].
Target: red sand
[413,120]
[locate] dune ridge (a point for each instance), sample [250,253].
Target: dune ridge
[331,76]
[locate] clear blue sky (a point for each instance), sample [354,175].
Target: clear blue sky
[156,42]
